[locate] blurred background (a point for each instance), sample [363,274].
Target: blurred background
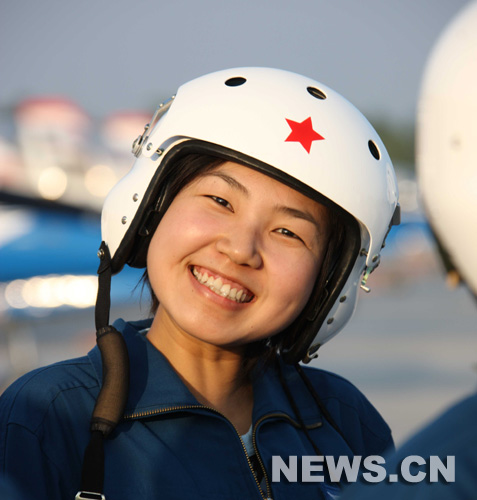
[79,80]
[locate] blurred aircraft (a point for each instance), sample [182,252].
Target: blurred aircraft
[53,179]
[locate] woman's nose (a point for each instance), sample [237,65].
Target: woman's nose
[241,246]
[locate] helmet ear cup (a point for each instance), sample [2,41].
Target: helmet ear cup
[326,292]
[133,248]
[138,255]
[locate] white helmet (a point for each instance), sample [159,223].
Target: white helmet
[447,144]
[290,127]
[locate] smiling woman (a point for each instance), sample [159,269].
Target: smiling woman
[227,225]
[245,209]
[247,240]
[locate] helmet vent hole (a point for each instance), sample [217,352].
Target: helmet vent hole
[319,94]
[236,81]
[374,150]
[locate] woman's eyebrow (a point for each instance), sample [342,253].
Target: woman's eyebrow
[230,181]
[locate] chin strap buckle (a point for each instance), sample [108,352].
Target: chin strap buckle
[89,495]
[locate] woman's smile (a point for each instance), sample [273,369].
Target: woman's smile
[222,286]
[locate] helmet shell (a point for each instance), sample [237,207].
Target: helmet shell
[447,142]
[255,111]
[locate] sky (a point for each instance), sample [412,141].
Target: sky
[117,55]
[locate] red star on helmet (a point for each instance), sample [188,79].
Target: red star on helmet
[303,133]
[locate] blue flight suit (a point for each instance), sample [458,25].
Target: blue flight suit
[168,445]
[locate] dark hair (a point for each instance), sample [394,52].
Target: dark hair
[190,167]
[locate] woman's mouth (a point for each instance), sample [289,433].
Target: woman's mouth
[220,286]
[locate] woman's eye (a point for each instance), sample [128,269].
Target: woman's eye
[288,233]
[221,201]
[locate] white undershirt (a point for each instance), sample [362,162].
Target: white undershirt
[247,441]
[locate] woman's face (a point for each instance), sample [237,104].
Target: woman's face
[236,256]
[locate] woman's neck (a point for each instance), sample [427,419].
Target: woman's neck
[213,374]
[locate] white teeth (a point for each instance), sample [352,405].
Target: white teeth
[218,286]
[225,290]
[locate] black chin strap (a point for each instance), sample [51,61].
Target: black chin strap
[112,397]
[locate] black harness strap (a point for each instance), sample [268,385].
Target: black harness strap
[113,394]
[294,406]
[320,404]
